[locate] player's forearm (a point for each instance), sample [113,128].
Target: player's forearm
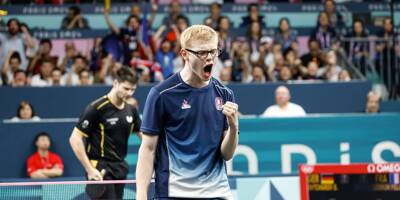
[229,143]
[144,170]
[79,150]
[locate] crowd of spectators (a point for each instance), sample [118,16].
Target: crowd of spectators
[250,56]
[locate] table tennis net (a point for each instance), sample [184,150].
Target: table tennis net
[59,190]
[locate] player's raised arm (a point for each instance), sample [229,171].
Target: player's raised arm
[231,137]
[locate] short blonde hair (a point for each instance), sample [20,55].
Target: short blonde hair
[200,33]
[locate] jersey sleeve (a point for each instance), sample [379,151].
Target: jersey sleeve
[152,114]
[137,121]
[87,121]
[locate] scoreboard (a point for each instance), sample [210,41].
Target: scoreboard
[352,181]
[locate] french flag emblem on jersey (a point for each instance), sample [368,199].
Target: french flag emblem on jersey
[218,103]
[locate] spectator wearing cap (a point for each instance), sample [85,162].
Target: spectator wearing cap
[283,106]
[265,57]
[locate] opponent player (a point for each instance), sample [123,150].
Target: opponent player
[190,127]
[106,124]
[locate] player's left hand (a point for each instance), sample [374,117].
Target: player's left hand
[230,110]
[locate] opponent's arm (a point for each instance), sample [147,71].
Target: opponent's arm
[231,136]
[79,149]
[145,165]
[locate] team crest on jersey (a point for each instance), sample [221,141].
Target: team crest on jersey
[129,119]
[218,103]
[185,105]
[85,124]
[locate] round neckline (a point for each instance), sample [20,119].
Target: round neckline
[194,88]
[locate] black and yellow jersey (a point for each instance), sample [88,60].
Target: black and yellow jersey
[107,129]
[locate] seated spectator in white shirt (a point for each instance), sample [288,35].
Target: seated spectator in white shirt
[283,106]
[43,79]
[25,112]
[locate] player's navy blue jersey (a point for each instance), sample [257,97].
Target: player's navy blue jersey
[190,125]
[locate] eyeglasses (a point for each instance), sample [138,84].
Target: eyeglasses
[204,54]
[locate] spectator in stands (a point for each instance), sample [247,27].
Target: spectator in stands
[174,12]
[85,78]
[252,16]
[324,33]
[42,54]
[336,19]
[44,163]
[74,19]
[283,106]
[241,68]
[165,56]
[11,64]
[43,79]
[314,54]
[224,36]
[130,38]
[18,39]
[274,69]
[293,62]
[108,70]
[254,34]
[57,78]
[331,70]
[285,35]
[265,57]
[357,47]
[285,74]
[344,75]
[25,112]
[72,77]
[70,52]
[173,32]
[258,75]
[20,79]
[373,102]
[226,75]
[386,56]
[215,16]
[137,11]
[312,72]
